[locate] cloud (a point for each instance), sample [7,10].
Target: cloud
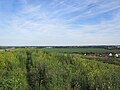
[36,24]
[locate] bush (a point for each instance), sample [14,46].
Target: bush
[35,69]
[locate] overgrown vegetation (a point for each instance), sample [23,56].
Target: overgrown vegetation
[35,69]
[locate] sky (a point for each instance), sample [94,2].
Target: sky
[59,22]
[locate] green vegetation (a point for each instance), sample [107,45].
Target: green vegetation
[37,69]
[109,60]
[81,50]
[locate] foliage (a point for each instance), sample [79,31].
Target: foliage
[35,69]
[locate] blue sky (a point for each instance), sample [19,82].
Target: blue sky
[59,22]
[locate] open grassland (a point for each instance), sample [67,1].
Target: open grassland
[81,50]
[36,69]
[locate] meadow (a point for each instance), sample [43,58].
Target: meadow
[81,50]
[44,69]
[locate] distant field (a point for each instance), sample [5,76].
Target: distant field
[81,50]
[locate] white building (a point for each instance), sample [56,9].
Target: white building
[110,54]
[116,55]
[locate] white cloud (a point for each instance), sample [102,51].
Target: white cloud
[35,25]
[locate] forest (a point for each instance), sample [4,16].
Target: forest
[37,69]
